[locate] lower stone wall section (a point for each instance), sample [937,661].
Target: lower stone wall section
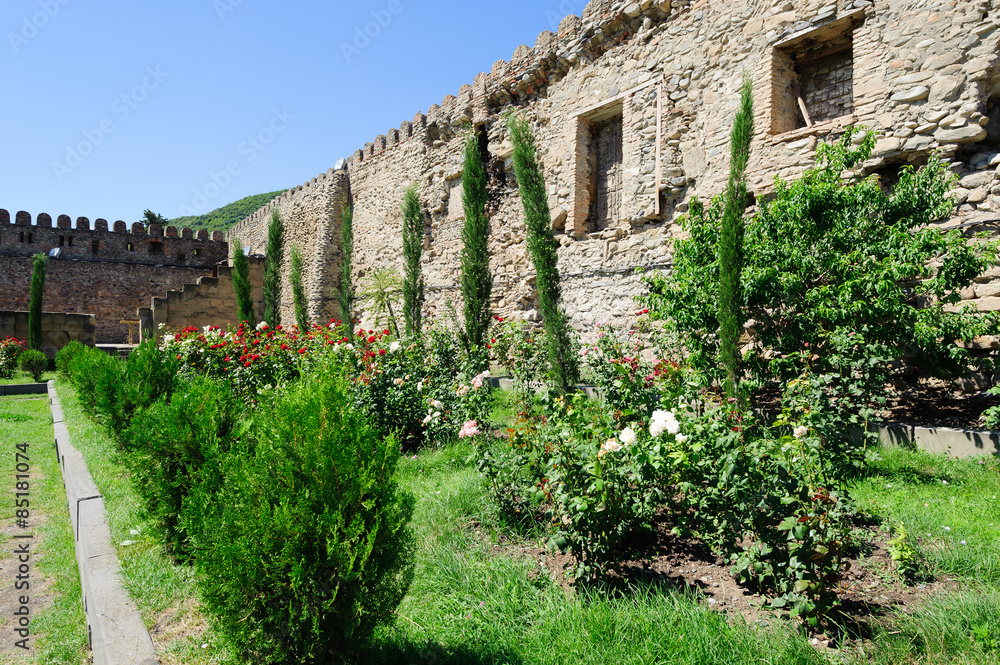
[58,329]
[210,301]
[110,292]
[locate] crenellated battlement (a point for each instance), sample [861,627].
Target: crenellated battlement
[530,70]
[113,243]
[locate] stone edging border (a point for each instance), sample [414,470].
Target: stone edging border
[115,630]
[956,443]
[24,389]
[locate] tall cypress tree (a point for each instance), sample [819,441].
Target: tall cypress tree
[346,296]
[477,280]
[731,241]
[35,303]
[241,283]
[272,269]
[413,248]
[299,292]
[542,247]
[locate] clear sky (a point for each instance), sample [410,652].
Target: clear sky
[113,106]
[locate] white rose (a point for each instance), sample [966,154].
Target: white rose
[394,347]
[800,431]
[673,427]
[627,436]
[681,438]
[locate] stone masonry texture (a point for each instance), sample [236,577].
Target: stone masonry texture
[109,273]
[922,74]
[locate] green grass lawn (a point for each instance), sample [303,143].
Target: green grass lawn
[58,627]
[470,603]
[951,512]
[160,589]
[24,377]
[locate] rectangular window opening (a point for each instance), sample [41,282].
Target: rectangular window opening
[813,77]
[156,248]
[95,246]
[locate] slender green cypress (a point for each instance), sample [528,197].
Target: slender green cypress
[477,281]
[272,269]
[298,291]
[542,247]
[241,283]
[346,296]
[35,304]
[413,248]
[731,241]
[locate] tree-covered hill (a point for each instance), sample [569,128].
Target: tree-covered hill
[224,218]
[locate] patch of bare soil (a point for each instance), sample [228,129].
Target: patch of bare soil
[182,621]
[869,589]
[38,594]
[932,403]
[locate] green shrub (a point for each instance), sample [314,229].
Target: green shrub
[175,445]
[11,349]
[126,388]
[88,368]
[65,355]
[307,549]
[33,362]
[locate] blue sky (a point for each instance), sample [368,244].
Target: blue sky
[113,106]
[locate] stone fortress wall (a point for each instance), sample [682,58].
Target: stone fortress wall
[107,272]
[632,103]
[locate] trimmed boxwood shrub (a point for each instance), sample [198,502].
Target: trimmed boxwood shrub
[124,389]
[306,549]
[175,445]
[65,355]
[90,368]
[33,362]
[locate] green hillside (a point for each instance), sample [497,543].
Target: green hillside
[224,218]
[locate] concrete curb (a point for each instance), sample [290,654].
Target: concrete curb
[24,389]
[115,629]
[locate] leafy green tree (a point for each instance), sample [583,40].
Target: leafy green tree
[836,276]
[413,248]
[542,247]
[35,302]
[298,291]
[346,296]
[382,288]
[272,269]
[241,283]
[477,280]
[150,217]
[731,240]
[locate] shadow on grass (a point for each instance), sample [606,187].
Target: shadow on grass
[432,653]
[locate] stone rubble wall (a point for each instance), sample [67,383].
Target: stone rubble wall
[110,291]
[210,301]
[312,215]
[110,284]
[58,329]
[925,77]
